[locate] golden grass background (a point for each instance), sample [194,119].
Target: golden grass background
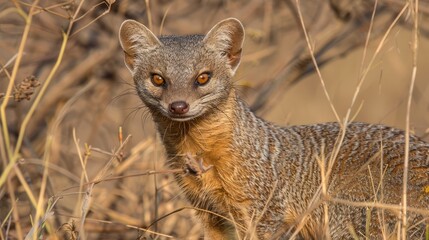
[78,176]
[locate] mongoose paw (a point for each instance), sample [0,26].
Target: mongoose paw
[195,166]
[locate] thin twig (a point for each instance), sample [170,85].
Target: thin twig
[386,206]
[415,44]
[109,6]
[40,202]
[82,162]
[149,13]
[98,178]
[161,27]
[5,131]
[311,49]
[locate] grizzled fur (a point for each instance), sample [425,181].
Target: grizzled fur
[263,178]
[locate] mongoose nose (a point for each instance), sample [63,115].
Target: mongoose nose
[179,107]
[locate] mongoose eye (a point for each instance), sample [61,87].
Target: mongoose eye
[157,80]
[203,78]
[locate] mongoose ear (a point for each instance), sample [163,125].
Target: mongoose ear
[227,36]
[135,39]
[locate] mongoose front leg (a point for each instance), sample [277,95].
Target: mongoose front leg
[215,228]
[195,166]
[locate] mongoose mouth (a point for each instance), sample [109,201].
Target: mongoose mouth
[181,118]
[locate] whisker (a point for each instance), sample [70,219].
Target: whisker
[134,111]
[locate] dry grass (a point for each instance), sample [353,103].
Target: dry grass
[70,168]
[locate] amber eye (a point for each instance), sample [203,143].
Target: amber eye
[157,80]
[202,79]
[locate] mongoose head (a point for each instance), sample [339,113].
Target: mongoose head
[182,77]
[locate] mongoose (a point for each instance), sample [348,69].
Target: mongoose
[251,179]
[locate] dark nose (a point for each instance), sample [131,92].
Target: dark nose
[179,107]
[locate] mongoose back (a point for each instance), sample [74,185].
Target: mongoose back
[251,179]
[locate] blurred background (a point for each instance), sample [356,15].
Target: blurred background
[68,167]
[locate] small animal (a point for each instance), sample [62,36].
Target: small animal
[251,179]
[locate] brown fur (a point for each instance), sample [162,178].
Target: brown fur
[210,139]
